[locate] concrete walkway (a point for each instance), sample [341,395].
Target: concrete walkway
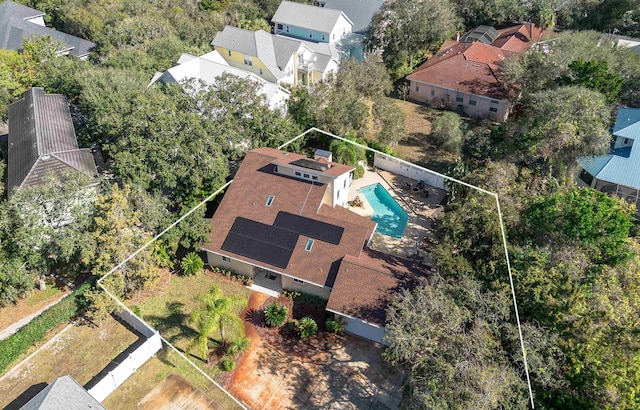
[24,321]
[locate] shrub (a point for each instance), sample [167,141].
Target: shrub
[275,315]
[246,280]
[137,310]
[238,346]
[227,364]
[191,263]
[289,293]
[335,326]
[447,132]
[307,327]
[18,343]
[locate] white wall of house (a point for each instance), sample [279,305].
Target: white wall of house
[473,105]
[341,29]
[341,189]
[237,266]
[621,142]
[306,287]
[363,329]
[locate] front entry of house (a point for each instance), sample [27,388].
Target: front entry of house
[267,282]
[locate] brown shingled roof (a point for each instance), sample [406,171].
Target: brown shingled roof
[365,286]
[246,197]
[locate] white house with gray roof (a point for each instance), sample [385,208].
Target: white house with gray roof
[209,67]
[64,393]
[42,141]
[276,58]
[19,23]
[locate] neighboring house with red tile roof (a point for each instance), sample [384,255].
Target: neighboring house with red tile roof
[282,222]
[463,75]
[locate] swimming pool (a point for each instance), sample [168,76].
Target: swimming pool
[390,216]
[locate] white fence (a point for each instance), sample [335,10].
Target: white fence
[408,170]
[137,358]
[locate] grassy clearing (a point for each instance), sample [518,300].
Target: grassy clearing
[37,300]
[169,311]
[131,392]
[417,146]
[82,352]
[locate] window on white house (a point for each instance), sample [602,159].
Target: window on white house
[287,29]
[433,92]
[297,173]
[260,69]
[309,245]
[314,177]
[226,260]
[459,97]
[333,37]
[229,53]
[323,37]
[417,88]
[310,34]
[494,106]
[248,60]
[280,27]
[298,281]
[306,176]
[472,102]
[626,141]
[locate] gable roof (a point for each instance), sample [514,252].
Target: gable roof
[360,12]
[519,38]
[315,18]
[210,66]
[245,227]
[620,166]
[64,393]
[378,278]
[40,127]
[274,51]
[15,29]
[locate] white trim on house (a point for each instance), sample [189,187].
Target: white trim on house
[265,268]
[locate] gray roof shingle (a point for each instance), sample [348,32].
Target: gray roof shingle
[64,393]
[41,129]
[320,19]
[15,29]
[360,12]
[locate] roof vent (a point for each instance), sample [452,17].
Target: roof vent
[320,153]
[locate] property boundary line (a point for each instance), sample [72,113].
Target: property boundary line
[312,129]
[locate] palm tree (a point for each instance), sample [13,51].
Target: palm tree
[346,152]
[216,313]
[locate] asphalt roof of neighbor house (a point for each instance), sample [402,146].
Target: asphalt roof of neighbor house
[472,67]
[360,12]
[321,19]
[246,198]
[274,51]
[64,393]
[619,166]
[210,66]
[41,129]
[15,29]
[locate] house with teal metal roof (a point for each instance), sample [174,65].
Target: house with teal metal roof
[618,172]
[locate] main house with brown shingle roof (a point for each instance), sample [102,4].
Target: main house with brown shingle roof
[283,223]
[463,74]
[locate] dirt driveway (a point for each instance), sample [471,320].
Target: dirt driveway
[329,372]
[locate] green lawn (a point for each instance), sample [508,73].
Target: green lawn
[131,392]
[169,311]
[82,352]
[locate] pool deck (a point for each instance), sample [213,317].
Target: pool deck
[422,213]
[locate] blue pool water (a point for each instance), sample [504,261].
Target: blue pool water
[390,216]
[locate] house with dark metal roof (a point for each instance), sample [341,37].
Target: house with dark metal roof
[282,222]
[64,393]
[463,75]
[618,172]
[19,23]
[42,140]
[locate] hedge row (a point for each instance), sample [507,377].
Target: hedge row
[15,345]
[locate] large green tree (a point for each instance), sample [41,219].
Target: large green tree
[406,29]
